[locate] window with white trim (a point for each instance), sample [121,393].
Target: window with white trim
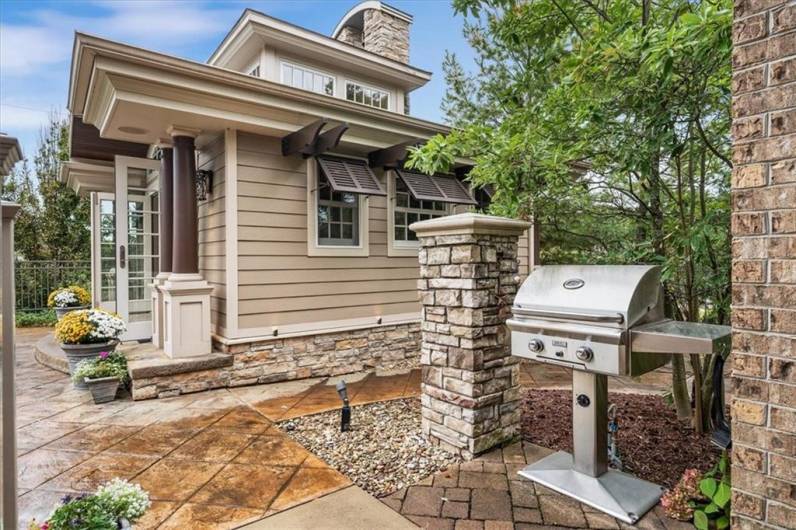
[337,219]
[307,79]
[367,95]
[409,210]
[338,216]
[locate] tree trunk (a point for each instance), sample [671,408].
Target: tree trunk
[682,402]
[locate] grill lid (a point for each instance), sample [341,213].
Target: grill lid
[608,295]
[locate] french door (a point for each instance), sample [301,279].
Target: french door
[136,243]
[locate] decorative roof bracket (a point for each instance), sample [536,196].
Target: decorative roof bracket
[310,141]
[328,140]
[301,141]
[392,157]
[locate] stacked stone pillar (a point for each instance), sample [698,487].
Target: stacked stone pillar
[470,389]
[764,265]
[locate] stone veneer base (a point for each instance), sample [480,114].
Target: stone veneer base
[284,359]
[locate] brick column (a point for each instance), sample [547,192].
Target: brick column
[764,265]
[468,270]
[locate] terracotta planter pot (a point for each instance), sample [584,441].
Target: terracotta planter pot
[61,311]
[79,352]
[103,389]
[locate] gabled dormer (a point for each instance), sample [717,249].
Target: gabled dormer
[365,60]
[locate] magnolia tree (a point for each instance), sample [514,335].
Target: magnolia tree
[608,123]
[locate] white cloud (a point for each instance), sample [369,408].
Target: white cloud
[26,48]
[14,118]
[47,38]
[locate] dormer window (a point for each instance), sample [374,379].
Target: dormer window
[307,79]
[367,95]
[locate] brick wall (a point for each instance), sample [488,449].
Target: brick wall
[764,264]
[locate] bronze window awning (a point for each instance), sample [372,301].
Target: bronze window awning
[441,188]
[350,176]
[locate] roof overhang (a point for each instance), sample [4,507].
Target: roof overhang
[255,30]
[85,142]
[135,95]
[85,176]
[10,154]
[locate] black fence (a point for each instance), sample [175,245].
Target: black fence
[36,279]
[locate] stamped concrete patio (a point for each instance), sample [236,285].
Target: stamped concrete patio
[209,460]
[216,460]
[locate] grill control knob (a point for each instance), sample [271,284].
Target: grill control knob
[536,345]
[584,353]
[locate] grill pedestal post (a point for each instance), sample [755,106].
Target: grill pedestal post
[586,477]
[589,421]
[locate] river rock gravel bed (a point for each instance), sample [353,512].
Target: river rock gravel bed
[383,452]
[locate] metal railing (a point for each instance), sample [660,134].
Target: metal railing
[36,279]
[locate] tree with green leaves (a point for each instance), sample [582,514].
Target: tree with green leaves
[54,222]
[607,122]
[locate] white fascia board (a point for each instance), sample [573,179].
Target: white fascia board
[158,71]
[287,35]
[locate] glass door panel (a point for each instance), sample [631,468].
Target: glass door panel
[136,229]
[106,226]
[142,259]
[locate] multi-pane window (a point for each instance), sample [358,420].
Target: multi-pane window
[409,210]
[307,79]
[338,216]
[366,95]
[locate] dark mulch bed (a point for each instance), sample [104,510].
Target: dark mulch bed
[653,443]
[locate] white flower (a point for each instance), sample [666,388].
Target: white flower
[66,298]
[106,326]
[125,499]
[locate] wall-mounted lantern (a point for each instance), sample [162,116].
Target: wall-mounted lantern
[204,184]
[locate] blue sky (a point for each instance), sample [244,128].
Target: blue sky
[36,44]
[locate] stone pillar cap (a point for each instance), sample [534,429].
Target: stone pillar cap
[470,223]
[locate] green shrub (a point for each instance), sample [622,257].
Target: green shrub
[35,319]
[106,365]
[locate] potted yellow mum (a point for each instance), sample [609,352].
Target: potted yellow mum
[85,333]
[68,299]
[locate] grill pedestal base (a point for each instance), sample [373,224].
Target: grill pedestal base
[618,494]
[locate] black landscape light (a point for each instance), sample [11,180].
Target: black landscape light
[345,415]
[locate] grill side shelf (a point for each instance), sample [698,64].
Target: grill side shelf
[670,336]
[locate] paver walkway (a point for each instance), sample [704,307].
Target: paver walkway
[208,460]
[487,494]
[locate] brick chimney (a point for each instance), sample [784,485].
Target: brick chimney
[378,28]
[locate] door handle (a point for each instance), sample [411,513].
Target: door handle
[121,256]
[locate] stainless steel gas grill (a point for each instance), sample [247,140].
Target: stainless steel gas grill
[600,320]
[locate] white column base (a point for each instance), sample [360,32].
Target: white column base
[157,309]
[186,316]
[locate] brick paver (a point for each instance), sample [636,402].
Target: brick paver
[486,493]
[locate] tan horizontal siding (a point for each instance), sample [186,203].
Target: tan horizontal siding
[211,225]
[308,276]
[321,315]
[285,290]
[278,282]
[299,303]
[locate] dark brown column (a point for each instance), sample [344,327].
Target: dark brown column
[186,238]
[166,211]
